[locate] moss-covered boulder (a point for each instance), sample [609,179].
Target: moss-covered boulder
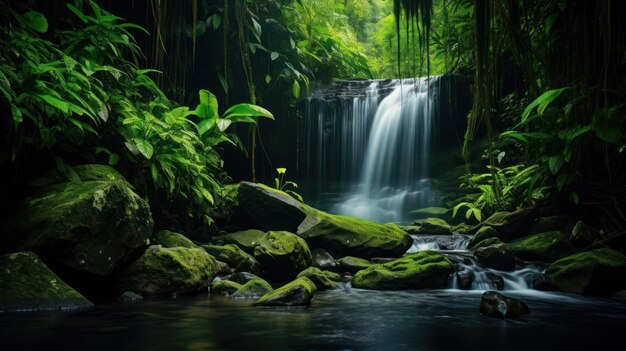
[483,233]
[242,277]
[431,212]
[410,229]
[323,279]
[595,272]
[487,242]
[224,287]
[323,260]
[234,257]
[253,289]
[511,225]
[350,236]
[436,226]
[282,254]
[162,271]
[268,209]
[90,226]
[462,228]
[498,257]
[83,172]
[420,270]
[353,264]
[26,283]
[548,246]
[168,238]
[245,239]
[494,304]
[296,293]
[549,224]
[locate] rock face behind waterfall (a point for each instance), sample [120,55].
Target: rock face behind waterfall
[421,270]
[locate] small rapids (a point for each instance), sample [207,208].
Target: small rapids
[469,273]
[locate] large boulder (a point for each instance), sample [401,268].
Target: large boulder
[511,225]
[234,257]
[420,270]
[498,257]
[296,293]
[323,279]
[245,239]
[26,283]
[269,209]
[494,304]
[350,236]
[282,254]
[253,289]
[323,260]
[487,242]
[90,226]
[548,246]
[168,238]
[435,226]
[162,271]
[596,272]
[353,264]
[224,287]
[482,234]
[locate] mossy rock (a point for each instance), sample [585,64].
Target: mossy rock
[420,270]
[296,293]
[435,226]
[487,242]
[549,224]
[462,228]
[597,272]
[84,172]
[431,212]
[168,238]
[323,260]
[282,254]
[352,264]
[410,229]
[548,246]
[511,225]
[91,226]
[224,287]
[267,208]
[583,235]
[246,239]
[350,236]
[162,271]
[497,256]
[234,257]
[483,233]
[253,289]
[323,279]
[27,284]
[242,277]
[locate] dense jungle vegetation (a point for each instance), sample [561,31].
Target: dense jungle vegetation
[78,84]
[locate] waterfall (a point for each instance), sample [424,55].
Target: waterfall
[368,145]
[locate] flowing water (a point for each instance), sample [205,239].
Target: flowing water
[368,147]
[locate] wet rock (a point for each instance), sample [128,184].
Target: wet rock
[483,233]
[296,293]
[129,297]
[253,289]
[322,279]
[234,257]
[353,264]
[242,277]
[26,283]
[549,224]
[90,226]
[435,226]
[548,246]
[494,304]
[161,271]
[223,268]
[224,287]
[487,242]
[595,272]
[350,236]
[498,257]
[496,280]
[538,281]
[464,277]
[245,240]
[168,238]
[282,254]
[511,225]
[323,260]
[583,235]
[420,270]
[269,209]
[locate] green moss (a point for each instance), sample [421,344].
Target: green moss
[431,212]
[596,272]
[224,287]
[344,235]
[168,238]
[424,269]
[544,246]
[28,284]
[85,173]
[483,233]
[246,239]
[352,264]
[254,288]
[296,293]
[234,257]
[162,271]
[322,279]
[282,254]
[435,226]
[487,242]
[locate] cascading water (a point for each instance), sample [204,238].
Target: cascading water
[368,147]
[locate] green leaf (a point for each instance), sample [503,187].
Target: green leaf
[55,102]
[268,79]
[77,12]
[296,89]
[208,105]
[541,103]
[281,170]
[247,110]
[205,125]
[555,163]
[223,82]
[573,197]
[36,21]
[223,124]
[274,55]
[207,195]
